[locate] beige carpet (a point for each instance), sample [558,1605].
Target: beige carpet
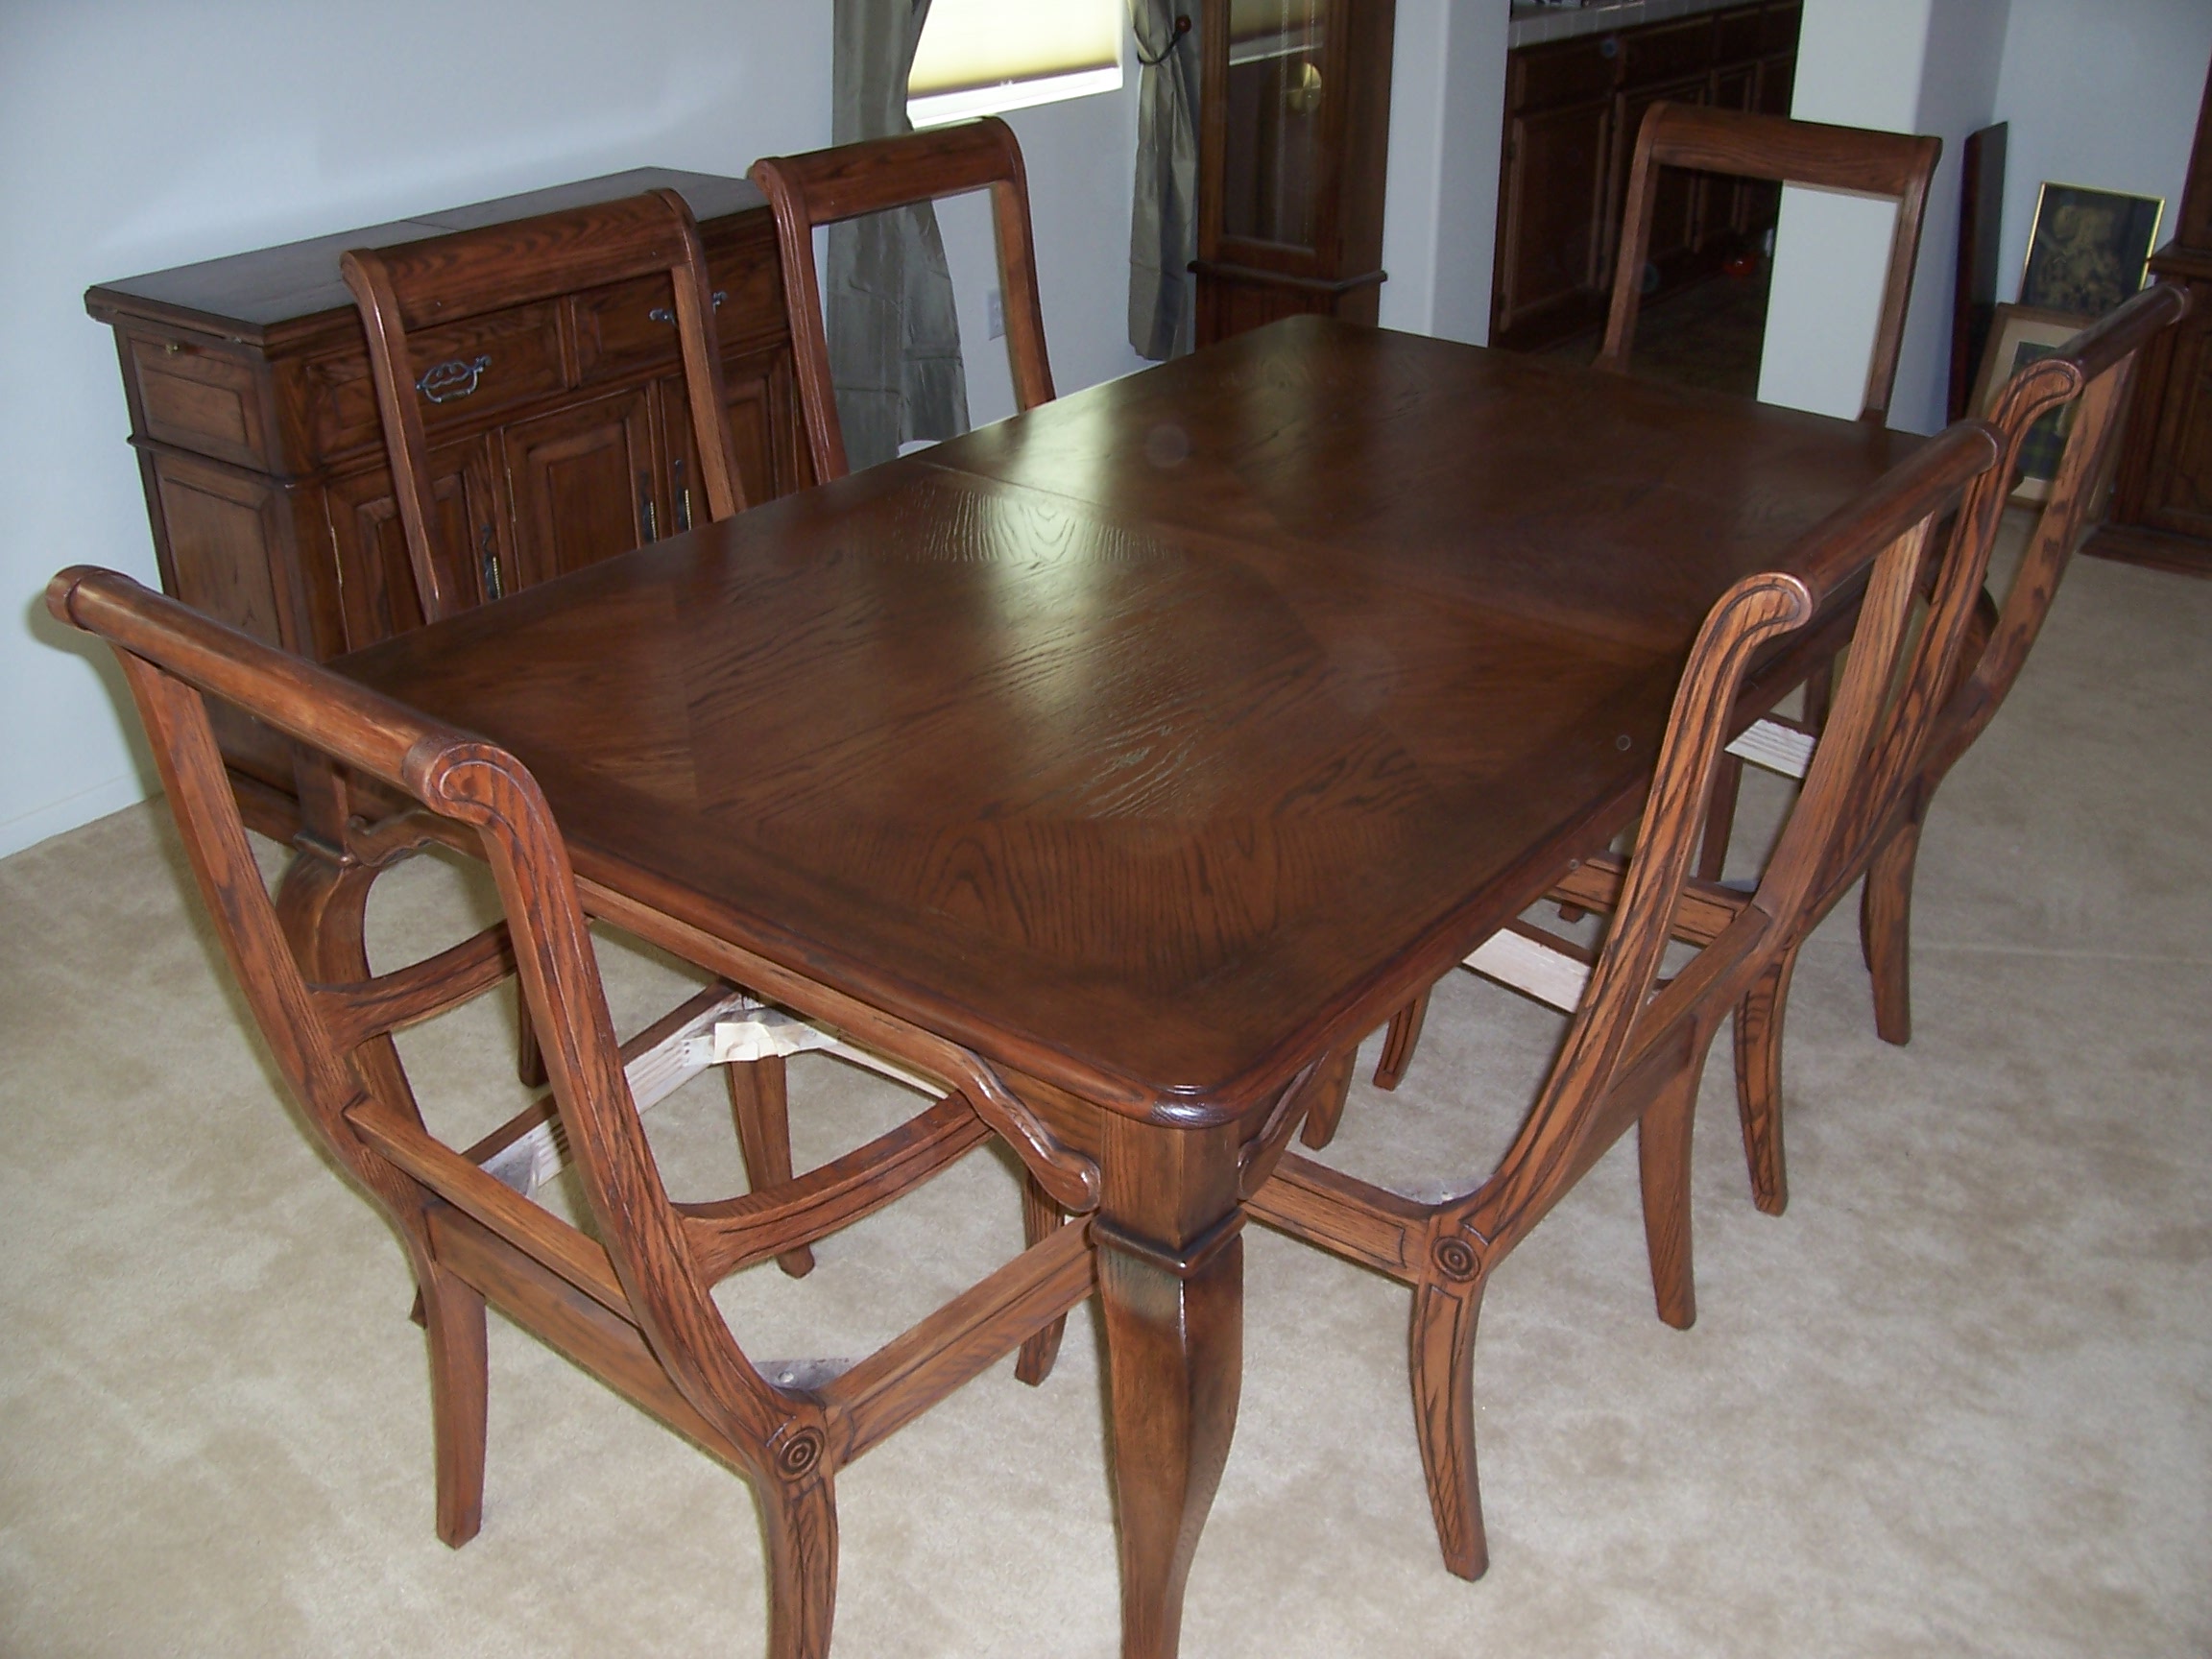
[1957,1400]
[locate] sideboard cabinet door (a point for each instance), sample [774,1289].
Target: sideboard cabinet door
[584,484]
[376,583]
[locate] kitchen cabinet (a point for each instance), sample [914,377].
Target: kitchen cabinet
[1571,111]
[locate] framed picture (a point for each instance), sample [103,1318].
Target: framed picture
[2018,335]
[2089,250]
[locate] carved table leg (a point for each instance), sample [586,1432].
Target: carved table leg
[1172,1289]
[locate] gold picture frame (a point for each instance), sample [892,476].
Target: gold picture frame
[2088,251]
[2018,335]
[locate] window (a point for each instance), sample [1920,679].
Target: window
[980,57]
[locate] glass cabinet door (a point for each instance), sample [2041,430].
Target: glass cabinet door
[1278,72]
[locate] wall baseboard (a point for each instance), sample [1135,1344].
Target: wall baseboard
[62,816]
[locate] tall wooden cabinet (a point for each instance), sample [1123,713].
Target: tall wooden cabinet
[1294,135]
[2162,504]
[1571,111]
[558,431]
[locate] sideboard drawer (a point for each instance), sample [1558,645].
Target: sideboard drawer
[625,329]
[199,397]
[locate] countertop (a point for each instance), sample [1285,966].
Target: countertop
[1535,24]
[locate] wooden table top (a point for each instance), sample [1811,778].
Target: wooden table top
[1161,740]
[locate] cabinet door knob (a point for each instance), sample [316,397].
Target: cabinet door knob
[455,377]
[662,313]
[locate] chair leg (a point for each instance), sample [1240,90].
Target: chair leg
[1720,816]
[1820,693]
[1662,1162]
[1443,1376]
[762,1112]
[453,1318]
[529,1058]
[1398,1046]
[1759,1082]
[799,1515]
[1041,1219]
[1885,930]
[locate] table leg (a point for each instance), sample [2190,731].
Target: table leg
[1172,1287]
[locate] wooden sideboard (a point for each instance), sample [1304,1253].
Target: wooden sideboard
[559,435]
[1571,111]
[2162,503]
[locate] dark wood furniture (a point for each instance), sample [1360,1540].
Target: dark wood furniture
[1950,699]
[1573,109]
[1157,744]
[1635,1048]
[1679,144]
[458,281]
[1974,289]
[828,186]
[631,1300]
[1679,140]
[2161,511]
[647,245]
[1293,142]
[256,428]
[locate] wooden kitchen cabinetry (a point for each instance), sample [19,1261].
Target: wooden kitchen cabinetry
[1571,111]
[558,431]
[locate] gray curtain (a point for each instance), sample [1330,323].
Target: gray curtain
[1163,219]
[894,340]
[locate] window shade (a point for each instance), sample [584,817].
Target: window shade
[972,44]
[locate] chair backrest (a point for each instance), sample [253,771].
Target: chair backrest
[827,186]
[332,1040]
[447,281]
[1625,1043]
[1773,147]
[1959,666]
[2093,372]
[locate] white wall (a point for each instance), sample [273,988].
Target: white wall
[1957,97]
[1859,64]
[2099,92]
[1473,127]
[136,135]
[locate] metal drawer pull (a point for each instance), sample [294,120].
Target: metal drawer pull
[455,377]
[662,313]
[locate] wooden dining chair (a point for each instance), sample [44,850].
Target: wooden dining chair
[631,1299]
[1781,150]
[827,186]
[448,284]
[2090,376]
[1636,1045]
[442,298]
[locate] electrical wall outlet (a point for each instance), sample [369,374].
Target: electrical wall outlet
[994,312]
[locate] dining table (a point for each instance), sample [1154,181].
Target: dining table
[1152,748]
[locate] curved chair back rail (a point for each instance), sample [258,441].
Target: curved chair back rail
[1774,146]
[451,279]
[631,1301]
[828,186]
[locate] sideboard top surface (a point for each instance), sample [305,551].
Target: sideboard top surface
[245,295]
